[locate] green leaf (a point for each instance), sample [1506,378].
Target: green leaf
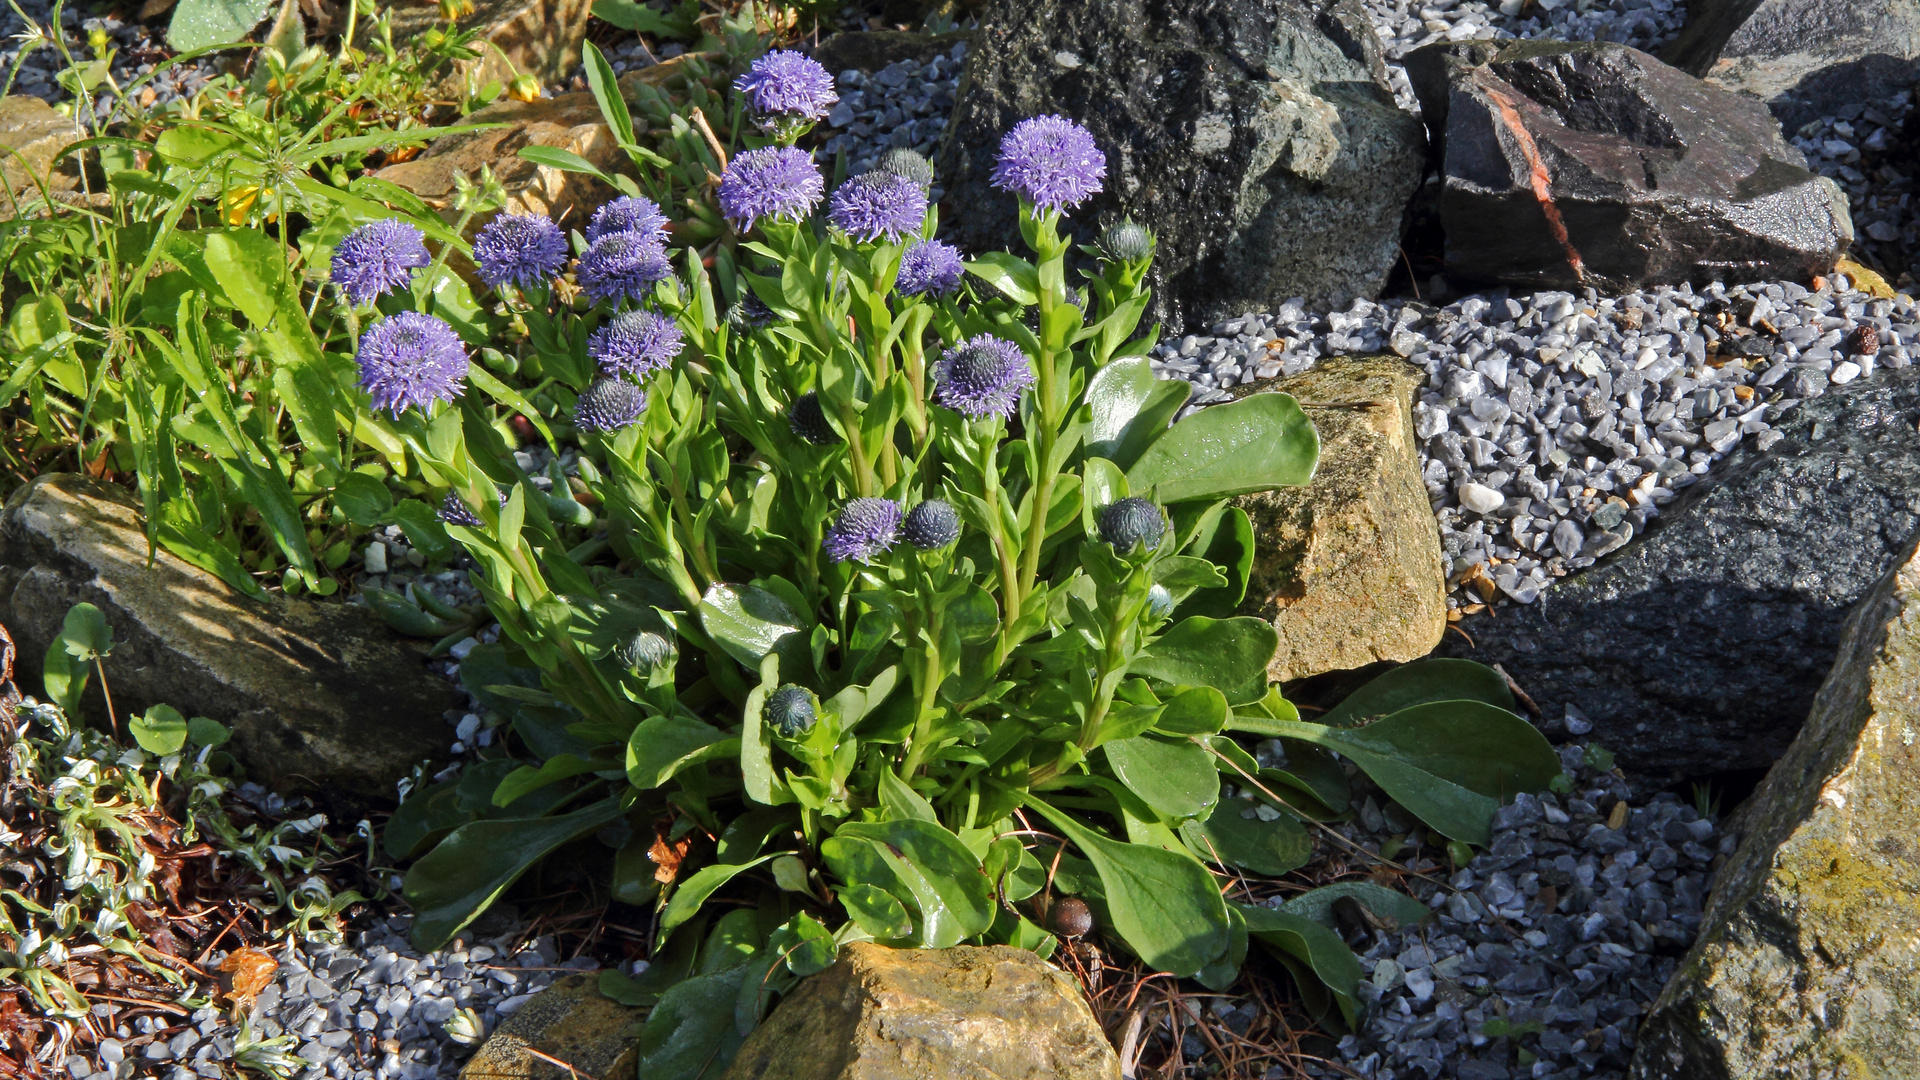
[205,732]
[509,397]
[875,911]
[1259,442]
[528,778]
[423,528]
[691,1034]
[629,15]
[1163,904]
[1176,778]
[816,951]
[693,892]
[1396,907]
[1418,683]
[85,633]
[1199,711]
[1014,276]
[198,24]
[1319,949]
[749,622]
[606,93]
[1230,836]
[1230,655]
[932,866]
[403,616]
[252,269]
[160,730]
[452,884]
[663,745]
[64,678]
[364,499]
[565,160]
[901,801]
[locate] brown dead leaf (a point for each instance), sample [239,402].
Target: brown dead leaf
[667,855]
[155,7]
[244,973]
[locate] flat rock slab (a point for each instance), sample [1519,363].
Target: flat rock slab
[1804,58]
[542,37]
[1699,648]
[965,1013]
[569,1021]
[31,133]
[570,122]
[1565,166]
[1808,959]
[1245,133]
[322,698]
[1349,569]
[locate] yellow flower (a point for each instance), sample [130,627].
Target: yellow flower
[524,87]
[238,202]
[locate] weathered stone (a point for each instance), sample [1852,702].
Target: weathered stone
[31,133]
[1349,569]
[1245,133]
[321,698]
[1698,649]
[541,37]
[966,1013]
[873,50]
[1808,959]
[1566,166]
[569,1021]
[571,122]
[1804,58]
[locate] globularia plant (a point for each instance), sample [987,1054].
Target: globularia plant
[891,591]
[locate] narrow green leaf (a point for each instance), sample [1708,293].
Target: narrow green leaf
[1420,682]
[1397,907]
[1319,948]
[452,884]
[690,894]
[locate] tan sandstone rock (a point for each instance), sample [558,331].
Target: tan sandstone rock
[571,122]
[1808,959]
[966,1013]
[321,697]
[31,133]
[569,1021]
[1348,569]
[542,37]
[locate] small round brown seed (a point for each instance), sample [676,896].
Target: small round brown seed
[1071,918]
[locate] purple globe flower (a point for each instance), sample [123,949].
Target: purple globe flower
[784,82]
[873,205]
[609,405]
[377,258]
[455,511]
[771,182]
[929,268]
[410,361]
[623,266]
[628,214]
[932,525]
[865,528]
[1051,162]
[520,249]
[635,343]
[982,377]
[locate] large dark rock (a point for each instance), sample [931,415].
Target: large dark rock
[322,698]
[1807,964]
[1593,164]
[1258,138]
[1699,649]
[1804,58]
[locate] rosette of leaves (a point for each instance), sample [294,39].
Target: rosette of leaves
[1055,665]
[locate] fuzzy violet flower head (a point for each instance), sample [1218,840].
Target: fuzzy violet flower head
[1051,162]
[929,268]
[520,249]
[628,214]
[777,182]
[455,511]
[784,83]
[375,259]
[635,343]
[906,163]
[609,405]
[623,266]
[410,361]
[789,710]
[1132,521]
[809,420]
[982,376]
[866,528]
[931,525]
[877,204]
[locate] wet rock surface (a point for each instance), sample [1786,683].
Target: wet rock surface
[1805,58]
[1348,568]
[1244,132]
[1699,649]
[1574,165]
[321,697]
[1807,964]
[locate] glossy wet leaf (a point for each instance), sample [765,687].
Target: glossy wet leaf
[1387,904]
[663,745]
[937,872]
[749,622]
[1234,834]
[160,730]
[1230,655]
[1173,776]
[1260,442]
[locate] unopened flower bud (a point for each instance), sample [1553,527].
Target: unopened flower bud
[790,710]
[809,420]
[646,651]
[907,165]
[524,87]
[931,525]
[1132,521]
[1128,241]
[465,1027]
[1159,601]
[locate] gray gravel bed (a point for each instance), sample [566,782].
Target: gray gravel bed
[904,105]
[139,47]
[1543,951]
[1553,427]
[1863,150]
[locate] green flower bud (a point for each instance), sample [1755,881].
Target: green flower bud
[790,710]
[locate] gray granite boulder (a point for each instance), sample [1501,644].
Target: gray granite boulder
[322,698]
[1592,164]
[1698,649]
[1804,58]
[1258,138]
